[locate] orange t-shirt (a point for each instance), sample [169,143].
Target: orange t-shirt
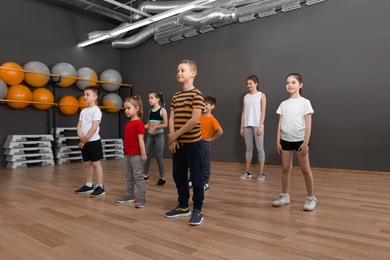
[208,124]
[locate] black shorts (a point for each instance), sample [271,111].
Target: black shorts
[92,151]
[290,146]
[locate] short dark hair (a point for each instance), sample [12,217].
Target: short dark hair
[211,100]
[94,89]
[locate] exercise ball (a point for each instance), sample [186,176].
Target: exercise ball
[3,89]
[83,104]
[112,103]
[110,75]
[42,95]
[68,105]
[18,93]
[86,77]
[38,77]
[67,72]
[12,74]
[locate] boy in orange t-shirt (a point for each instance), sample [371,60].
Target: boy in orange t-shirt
[211,130]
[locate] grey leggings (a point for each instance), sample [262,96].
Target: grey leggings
[250,132]
[155,143]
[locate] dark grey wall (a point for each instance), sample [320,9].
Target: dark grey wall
[341,49]
[33,30]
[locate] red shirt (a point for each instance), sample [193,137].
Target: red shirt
[132,129]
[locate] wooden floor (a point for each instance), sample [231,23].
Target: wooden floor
[42,218]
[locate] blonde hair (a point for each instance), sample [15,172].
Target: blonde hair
[193,65]
[137,103]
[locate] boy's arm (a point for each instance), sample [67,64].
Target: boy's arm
[196,112]
[217,133]
[171,126]
[79,134]
[142,147]
[92,130]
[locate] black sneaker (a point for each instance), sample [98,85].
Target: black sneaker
[196,218]
[84,189]
[99,191]
[178,212]
[146,178]
[161,182]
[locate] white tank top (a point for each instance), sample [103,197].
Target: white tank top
[252,109]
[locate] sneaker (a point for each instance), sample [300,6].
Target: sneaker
[261,176]
[84,189]
[196,218]
[311,203]
[125,199]
[146,178]
[190,183]
[284,199]
[99,191]
[178,212]
[140,203]
[246,175]
[161,182]
[206,186]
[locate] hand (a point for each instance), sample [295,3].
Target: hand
[279,148]
[83,139]
[152,130]
[303,149]
[143,158]
[171,138]
[242,131]
[173,146]
[260,131]
[81,145]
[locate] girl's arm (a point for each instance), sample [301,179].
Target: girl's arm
[164,124]
[242,117]
[305,145]
[278,133]
[263,103]
[142,147]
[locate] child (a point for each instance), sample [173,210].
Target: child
[252,126]
[211,130]
[158,120]
[90,142]
[185,143]
[294,131]
[135,152]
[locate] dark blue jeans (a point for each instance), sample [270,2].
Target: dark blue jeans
[189,156]
[206,160]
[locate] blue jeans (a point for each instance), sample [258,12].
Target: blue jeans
[155,143]
[206,160]
[133,175]
[189,156]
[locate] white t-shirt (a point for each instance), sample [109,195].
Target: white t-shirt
[87,116]
[252,109]
[293,111]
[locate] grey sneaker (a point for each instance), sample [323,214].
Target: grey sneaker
[125,199]
[261,176]
[311,203]
[284,199]
[178,212]
[140,203]
[196,218]
[246,175]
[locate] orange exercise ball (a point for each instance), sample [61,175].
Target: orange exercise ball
[12,74]
[18,93]
[38,77]
[44,96]
[68,105]
[83,104]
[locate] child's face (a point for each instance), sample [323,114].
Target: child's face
[208,107]
[251,85]
[185,73]
[89,97]
[153,100]
[130,110]
[293,85]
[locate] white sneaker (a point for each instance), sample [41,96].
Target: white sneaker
[246,175]
[311,203]
[261,176]
[284,199]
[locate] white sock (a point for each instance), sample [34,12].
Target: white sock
[89,184]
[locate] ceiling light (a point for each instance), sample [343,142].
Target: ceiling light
[146,21]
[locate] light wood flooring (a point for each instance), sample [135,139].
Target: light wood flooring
[42,218]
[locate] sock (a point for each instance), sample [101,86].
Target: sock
[89,184]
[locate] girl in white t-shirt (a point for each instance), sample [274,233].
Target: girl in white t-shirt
[252,126]
[293,134]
